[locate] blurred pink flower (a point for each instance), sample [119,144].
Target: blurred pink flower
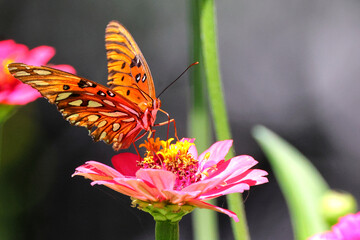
[175,174]
[12,91]
[348,228]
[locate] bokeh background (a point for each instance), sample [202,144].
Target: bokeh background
[293,66]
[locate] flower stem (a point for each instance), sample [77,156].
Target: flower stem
[166,230]
[217,101]
[204,221]
[6,112]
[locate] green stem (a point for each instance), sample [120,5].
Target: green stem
[217,102]
[204,221]
[6,112]
[166,230]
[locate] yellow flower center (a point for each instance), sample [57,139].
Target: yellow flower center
[5,77]
[171,157]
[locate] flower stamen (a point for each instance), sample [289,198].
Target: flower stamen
[171,157]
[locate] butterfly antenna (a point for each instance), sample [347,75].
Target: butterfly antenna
[195,63]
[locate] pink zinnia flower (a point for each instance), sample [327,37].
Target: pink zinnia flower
[174,174]
[348,228]
[12,91]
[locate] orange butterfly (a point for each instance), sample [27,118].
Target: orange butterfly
[116,114]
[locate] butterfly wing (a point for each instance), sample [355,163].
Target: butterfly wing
[129,74]
[108,115]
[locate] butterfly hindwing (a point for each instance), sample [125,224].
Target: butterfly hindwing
[129,74]
[108,115]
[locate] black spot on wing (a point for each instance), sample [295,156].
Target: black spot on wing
[111,94]
[144,78]
[101,93]
[138,77]
[84,84]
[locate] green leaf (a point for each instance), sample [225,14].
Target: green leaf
[301,184]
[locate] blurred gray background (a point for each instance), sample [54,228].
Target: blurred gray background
[293,66]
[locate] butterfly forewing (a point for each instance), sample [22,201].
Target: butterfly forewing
[108,115]
[129,74]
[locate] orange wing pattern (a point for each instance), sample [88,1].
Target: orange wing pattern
[109,116]
[129,74]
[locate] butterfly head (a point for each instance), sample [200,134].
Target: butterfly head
[150,105]
[156,104]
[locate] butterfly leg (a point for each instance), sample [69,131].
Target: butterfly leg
[168,123]
[152,133]
[143,134]
[137,151]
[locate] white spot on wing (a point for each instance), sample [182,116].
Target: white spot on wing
[93,118]
[39,83]
[114,114]
[21,73]
[62,96]
[101,124]
[128,120]
[94,104]
[109,102]
[76,103]
[72,118]
[42,72]
[116,126]
[102,136]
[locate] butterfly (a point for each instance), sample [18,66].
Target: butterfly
[115,114]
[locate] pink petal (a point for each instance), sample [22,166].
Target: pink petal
[177,197]
[193,151]
[217,151]
[348,227]
[161,179]
[190,140]
[6,47]
[325,236]
[40,55]
[236,176]
[126,163]
[125,189]
[251,176]
[201,204]
[203,185]
[238,188]
[240,184]
[143,189]
[97,169]
[21,95]
[233,167]
[10,49]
